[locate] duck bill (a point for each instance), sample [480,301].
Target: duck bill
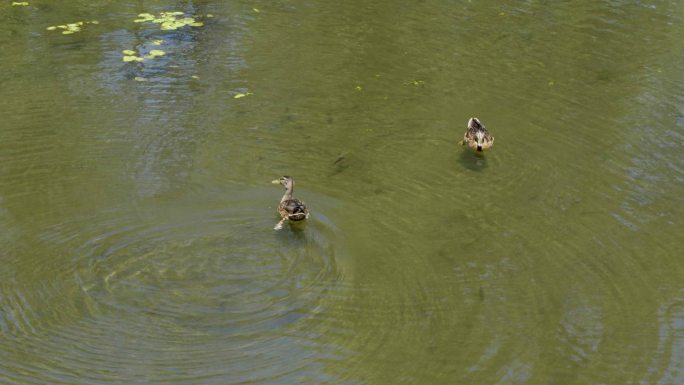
[276,181]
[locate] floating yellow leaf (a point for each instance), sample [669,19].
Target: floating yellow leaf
[128,52]
[140,79]
[255,10]
[195,77]
[157,42]
[157,52]
[241,95]
[20,3]
[169,21]
[129,58]
[71,27]
[210,15]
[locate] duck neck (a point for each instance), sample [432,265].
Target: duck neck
[288,192]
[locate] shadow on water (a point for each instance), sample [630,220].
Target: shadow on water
[473,161]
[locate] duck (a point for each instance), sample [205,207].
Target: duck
[290,209]
[477,137]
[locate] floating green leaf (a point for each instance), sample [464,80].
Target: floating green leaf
[71,28]
[169,21]
[129,58]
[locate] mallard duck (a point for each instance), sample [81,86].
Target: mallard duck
[477,137]
[290,209]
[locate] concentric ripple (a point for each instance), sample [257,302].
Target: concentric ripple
[210,273]
[211,295]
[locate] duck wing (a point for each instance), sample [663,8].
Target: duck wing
[295,209]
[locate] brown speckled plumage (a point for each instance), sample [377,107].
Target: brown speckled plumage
[289,208]
[477,137]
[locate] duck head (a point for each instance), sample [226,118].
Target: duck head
[284,181]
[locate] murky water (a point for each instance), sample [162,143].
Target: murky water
[136,210]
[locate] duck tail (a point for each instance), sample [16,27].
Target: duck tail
[474,124]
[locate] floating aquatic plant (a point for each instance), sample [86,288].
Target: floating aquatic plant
[169,21]
[131,55]
[68,29]
[241,95]
[129,58]
[20,3]
[154,53]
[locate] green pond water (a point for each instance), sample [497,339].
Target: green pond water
[137,213]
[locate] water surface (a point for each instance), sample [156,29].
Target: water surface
[136,213]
